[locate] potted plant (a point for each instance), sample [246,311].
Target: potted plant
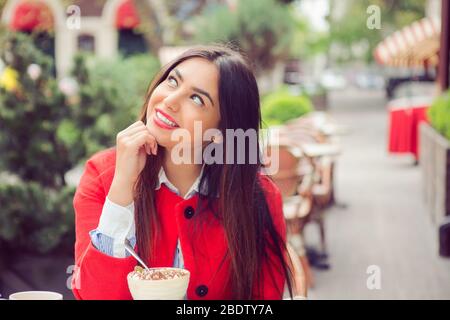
[281,106]
[318,95]
[435,158]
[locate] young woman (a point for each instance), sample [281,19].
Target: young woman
[222,221]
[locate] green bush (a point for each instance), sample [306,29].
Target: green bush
[263,29]
[129,76]
[47,128]
[110,97]
[30,112]
[34,219]
[281,106]
[439,114]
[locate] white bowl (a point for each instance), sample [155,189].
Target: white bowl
[166,289]
[36,295]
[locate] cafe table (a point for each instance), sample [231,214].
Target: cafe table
[315,150]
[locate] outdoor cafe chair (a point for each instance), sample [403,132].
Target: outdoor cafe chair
[300,288]
[292,179]
[320,155]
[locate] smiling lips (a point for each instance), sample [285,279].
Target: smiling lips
[163,120]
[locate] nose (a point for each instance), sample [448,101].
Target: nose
[172,102]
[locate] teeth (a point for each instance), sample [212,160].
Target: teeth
[165,120]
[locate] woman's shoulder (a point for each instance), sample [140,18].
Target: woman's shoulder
[274,201]
[268,185]
[100,167]
[103,159]
[97,177]
[272,193]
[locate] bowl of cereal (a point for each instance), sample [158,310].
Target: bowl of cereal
[158,283]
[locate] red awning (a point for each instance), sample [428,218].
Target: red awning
[32,15]
[127,16]
[413,45]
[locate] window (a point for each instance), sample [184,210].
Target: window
[131,42]
[86,42]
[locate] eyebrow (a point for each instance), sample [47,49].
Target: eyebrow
[203,92]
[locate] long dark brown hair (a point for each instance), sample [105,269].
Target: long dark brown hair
[241,206]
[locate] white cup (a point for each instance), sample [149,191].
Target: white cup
[36,295]
[165,289]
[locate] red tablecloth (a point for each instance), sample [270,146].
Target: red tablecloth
[404,128]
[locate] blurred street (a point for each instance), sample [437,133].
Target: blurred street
[385,222]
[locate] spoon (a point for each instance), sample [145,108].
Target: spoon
[130,249]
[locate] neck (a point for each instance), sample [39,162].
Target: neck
[182,176]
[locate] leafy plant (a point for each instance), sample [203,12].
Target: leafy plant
[110,96]
[439,114]
[35,219]
[281,106]
[47,127]
[263,29]
[351,38]
[31,108]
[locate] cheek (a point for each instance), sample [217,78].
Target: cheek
[213,120]
[156,97]
[198,129]
[196,119]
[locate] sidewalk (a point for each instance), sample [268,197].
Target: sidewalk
[385,223]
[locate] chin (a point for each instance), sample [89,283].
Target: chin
[154,131]
[162,139]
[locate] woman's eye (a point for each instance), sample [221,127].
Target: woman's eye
[197,100]
[172,81]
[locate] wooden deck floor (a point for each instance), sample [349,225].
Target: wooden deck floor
[385,223]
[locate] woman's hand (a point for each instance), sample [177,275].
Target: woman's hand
[132,147]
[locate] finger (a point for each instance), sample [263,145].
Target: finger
[144,147]
[155,148]
[131,129]
[152,147]
[142,138]
[134,131]
[135,124]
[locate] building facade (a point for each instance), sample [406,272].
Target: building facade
[103,27]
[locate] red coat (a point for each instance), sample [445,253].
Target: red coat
[99,276]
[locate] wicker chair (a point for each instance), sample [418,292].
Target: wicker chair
[292,179]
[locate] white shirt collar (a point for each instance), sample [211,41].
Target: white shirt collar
[162,178]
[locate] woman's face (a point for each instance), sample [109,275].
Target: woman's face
[188,94]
